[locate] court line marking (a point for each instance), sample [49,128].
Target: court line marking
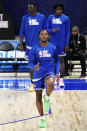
[6,123]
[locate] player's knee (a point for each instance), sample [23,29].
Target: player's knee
[51,84]
[50,81]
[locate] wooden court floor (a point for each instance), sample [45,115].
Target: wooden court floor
[69,111]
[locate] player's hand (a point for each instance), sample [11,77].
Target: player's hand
[36,67]
[57,77]
[21,48]
[56,30]
[66,48]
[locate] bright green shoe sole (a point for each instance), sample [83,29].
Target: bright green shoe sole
[43,124]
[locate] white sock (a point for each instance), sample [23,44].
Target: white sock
[42,117]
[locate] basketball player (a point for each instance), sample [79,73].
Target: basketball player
[58,26]
[43,59]
[31,24]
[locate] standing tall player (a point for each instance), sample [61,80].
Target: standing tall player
[58,26]
[43,60]
[31,24]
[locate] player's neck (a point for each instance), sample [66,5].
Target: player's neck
[33,14]
[44,43]
[59,14]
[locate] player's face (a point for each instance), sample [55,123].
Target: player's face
[31,8]
[75,31]
[58,11]
[44,36]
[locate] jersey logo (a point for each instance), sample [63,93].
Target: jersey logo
[56,21]
[33,22]
[44,53]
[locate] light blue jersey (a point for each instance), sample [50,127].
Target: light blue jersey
[46,57]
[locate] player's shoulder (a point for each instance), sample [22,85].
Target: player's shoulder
[65,16]
[41,15]
[51,16]
[35,47]
[52,46]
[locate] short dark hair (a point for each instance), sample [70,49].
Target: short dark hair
[43,30]
[46,31]
[32,3]
[58,5]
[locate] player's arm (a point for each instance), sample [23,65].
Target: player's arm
[32,58]
[44,23]
[50,30]
[36,67]
[21,47]
[22,33]
[67,34]
[49,25]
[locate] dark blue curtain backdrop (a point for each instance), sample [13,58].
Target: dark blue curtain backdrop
[75,9]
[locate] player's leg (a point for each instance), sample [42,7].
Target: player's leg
[31,83]
[62,66]
[38,86]
[39,103]
[62,69]
[31,75]
[50,85]
[27,53]
[61,54]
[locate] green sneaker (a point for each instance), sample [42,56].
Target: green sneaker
[43,123]
[46,105]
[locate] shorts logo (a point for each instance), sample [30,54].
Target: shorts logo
[44,53]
